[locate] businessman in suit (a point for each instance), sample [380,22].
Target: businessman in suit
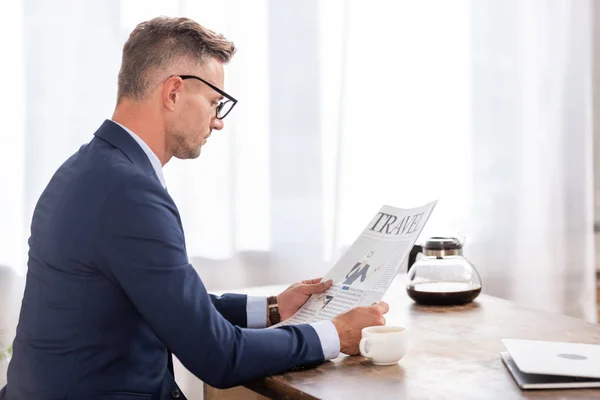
[110,292]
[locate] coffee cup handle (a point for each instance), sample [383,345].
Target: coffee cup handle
[363,347]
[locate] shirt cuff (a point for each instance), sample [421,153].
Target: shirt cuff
[256,312]
[330,340]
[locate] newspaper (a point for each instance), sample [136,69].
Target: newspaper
[365,271]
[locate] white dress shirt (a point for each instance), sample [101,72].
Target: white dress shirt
[256,307]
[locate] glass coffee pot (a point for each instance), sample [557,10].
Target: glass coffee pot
[442,276]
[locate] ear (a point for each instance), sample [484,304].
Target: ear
[171,92]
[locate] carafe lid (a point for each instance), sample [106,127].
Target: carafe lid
[443,243]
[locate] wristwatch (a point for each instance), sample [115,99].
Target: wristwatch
[273,310]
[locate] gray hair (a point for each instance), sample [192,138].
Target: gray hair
[155,44]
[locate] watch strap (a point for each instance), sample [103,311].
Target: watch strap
[273,310]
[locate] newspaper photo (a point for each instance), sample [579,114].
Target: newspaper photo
[364,272]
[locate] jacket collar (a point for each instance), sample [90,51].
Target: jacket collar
[119,138]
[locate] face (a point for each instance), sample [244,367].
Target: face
[191,110]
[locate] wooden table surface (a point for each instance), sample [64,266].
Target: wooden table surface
[453,354]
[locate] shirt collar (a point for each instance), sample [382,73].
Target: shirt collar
[149,153]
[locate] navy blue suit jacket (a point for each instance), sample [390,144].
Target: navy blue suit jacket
[110,288]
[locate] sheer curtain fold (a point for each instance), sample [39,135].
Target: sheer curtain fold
[343,106]
[12,139]
[532,77]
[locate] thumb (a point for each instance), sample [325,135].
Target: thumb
[311,281]
[318,287]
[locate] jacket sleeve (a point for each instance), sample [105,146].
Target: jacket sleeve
[140,242]
[232,307]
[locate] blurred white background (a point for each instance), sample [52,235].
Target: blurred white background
[343,106]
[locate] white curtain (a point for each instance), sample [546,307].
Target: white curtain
[343,106]
[532,171]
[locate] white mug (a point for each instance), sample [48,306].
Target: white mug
[384,345]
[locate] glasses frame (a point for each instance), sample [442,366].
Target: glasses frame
[216,89]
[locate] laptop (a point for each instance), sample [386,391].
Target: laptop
[536,364]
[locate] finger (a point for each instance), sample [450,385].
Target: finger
[383,307]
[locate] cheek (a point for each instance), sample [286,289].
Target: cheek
[202,116]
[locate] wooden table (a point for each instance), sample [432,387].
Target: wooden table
[453,354]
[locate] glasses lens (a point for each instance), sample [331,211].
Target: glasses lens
[224,108]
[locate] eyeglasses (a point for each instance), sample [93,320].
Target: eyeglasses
[225,106]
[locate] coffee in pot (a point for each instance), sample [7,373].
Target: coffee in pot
[442,276]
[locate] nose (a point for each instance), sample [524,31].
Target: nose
[217,124]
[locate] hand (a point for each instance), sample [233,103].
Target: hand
[291,299]
[350,324]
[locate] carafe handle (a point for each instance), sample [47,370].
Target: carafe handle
[412,257]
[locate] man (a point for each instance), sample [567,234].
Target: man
[110,292]
[359,270]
